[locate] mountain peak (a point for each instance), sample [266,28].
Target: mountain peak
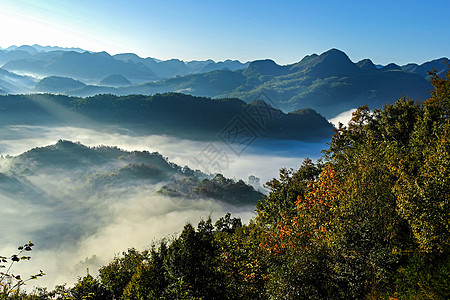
[262,62]
[366,64]
[115,80]
[27,48]
[391,67]
[264,67]
[103,54]
[335,55]
[334,51]
[333,62]
[126,57]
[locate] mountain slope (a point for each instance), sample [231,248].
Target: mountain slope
[15,84]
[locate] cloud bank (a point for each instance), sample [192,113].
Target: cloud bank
[75,228]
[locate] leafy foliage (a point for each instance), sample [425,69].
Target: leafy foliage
[10,283]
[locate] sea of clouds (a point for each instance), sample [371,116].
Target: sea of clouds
[75,229]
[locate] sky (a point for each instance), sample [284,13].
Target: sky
[400,31]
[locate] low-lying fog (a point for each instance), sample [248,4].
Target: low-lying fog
[75,229]
[262,158]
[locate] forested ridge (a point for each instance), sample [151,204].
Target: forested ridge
[370,220]
[173,114]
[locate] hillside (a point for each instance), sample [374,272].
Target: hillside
[329,83]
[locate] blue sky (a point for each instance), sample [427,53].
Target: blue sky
[397,31]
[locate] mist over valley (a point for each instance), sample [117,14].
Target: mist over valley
[84,194]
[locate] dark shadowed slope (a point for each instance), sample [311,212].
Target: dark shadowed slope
[172,114]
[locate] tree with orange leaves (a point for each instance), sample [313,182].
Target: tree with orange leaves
[375,222]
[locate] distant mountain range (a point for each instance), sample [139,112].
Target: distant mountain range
[329,83]
[93,67]
[38,48]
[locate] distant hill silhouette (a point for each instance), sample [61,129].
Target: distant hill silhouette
[40,48]
[330,63]
[56,84]
[115,80]
[31,50]
[6,55]
[53,60]
[127,57]
[197,65]
[391,67]
[86,65]
[266,67]
[176,67]
[231,65]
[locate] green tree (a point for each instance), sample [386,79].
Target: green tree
[118,273]
[191,264]
[89,287]
[149,280]
[280,203]
[424,179]
[241,259]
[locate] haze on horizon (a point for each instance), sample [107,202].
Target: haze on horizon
[285,31]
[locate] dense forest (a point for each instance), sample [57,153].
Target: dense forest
[370,220]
